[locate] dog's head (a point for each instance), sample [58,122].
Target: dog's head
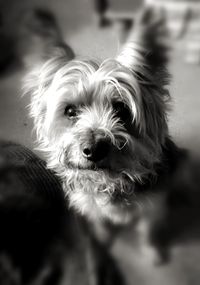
[103,126]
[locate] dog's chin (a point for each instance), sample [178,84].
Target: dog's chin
[89,166]
[100,179]
[101,193]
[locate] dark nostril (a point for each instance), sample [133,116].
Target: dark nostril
[87,152]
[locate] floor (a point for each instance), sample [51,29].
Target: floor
[79,27]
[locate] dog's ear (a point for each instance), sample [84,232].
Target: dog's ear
[36,84]
[146,50]
[146,54]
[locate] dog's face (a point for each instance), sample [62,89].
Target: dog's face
[102,127]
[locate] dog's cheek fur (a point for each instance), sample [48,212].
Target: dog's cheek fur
[36,84]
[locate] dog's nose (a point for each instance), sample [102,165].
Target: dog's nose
[97,151]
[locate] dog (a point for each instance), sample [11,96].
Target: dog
[103,126]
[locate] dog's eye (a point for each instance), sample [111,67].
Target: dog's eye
[71,112]
[122,111]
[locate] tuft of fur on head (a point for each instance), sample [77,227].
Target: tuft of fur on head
[123,101]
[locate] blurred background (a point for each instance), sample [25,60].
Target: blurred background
[28,31]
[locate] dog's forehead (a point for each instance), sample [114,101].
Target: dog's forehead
[89,81]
